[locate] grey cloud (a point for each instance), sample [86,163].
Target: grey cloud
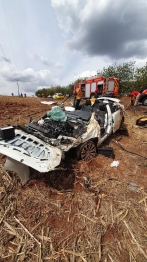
[118,29]
[23,76]
[2,85]
[41,59]
[45,61]
[6,59]
[68,13]
[58,65]
[30,79]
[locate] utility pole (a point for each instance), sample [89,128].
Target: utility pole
[18,87]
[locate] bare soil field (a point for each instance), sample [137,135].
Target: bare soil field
[88,211]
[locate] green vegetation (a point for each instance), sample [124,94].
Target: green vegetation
[131,78]
[57,89]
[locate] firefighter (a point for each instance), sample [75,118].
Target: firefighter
[115,93]
[134,97]
[78,96]
[96,93]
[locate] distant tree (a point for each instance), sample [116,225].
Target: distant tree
[124,72]
[69,89]
[79,79]
[38,93]
[141,77]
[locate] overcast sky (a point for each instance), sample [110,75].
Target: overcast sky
[52,42]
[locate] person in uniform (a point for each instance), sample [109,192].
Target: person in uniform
[79,95]
[134,97]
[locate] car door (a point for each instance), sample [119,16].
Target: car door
[117,119]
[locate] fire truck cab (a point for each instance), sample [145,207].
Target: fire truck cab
[105,86]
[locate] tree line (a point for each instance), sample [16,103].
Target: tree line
[130,78]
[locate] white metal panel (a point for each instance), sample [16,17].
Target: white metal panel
[100,82]
[87,90]
[117,117]
[111,86]
[22,170]
[93,87]
[31,151]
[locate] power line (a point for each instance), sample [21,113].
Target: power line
[9,31]
[6,59]
[10,67]
[11,46]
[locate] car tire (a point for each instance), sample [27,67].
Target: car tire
[144,102]
[86,150]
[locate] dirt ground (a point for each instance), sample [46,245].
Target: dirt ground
[88,211]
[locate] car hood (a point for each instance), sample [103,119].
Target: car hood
[31,151]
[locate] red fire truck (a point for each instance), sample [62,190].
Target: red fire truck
[105,86]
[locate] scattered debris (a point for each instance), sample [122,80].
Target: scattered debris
[106,151]
[133,186]
[115,163]
[47,102]
[142,121]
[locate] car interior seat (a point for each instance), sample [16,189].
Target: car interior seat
[88,103]
[100,113]
[102,106]
[100,117]
[87,106]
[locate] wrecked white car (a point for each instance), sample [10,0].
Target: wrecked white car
[43,143]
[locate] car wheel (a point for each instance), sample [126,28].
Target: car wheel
[86,151]
[144,101]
